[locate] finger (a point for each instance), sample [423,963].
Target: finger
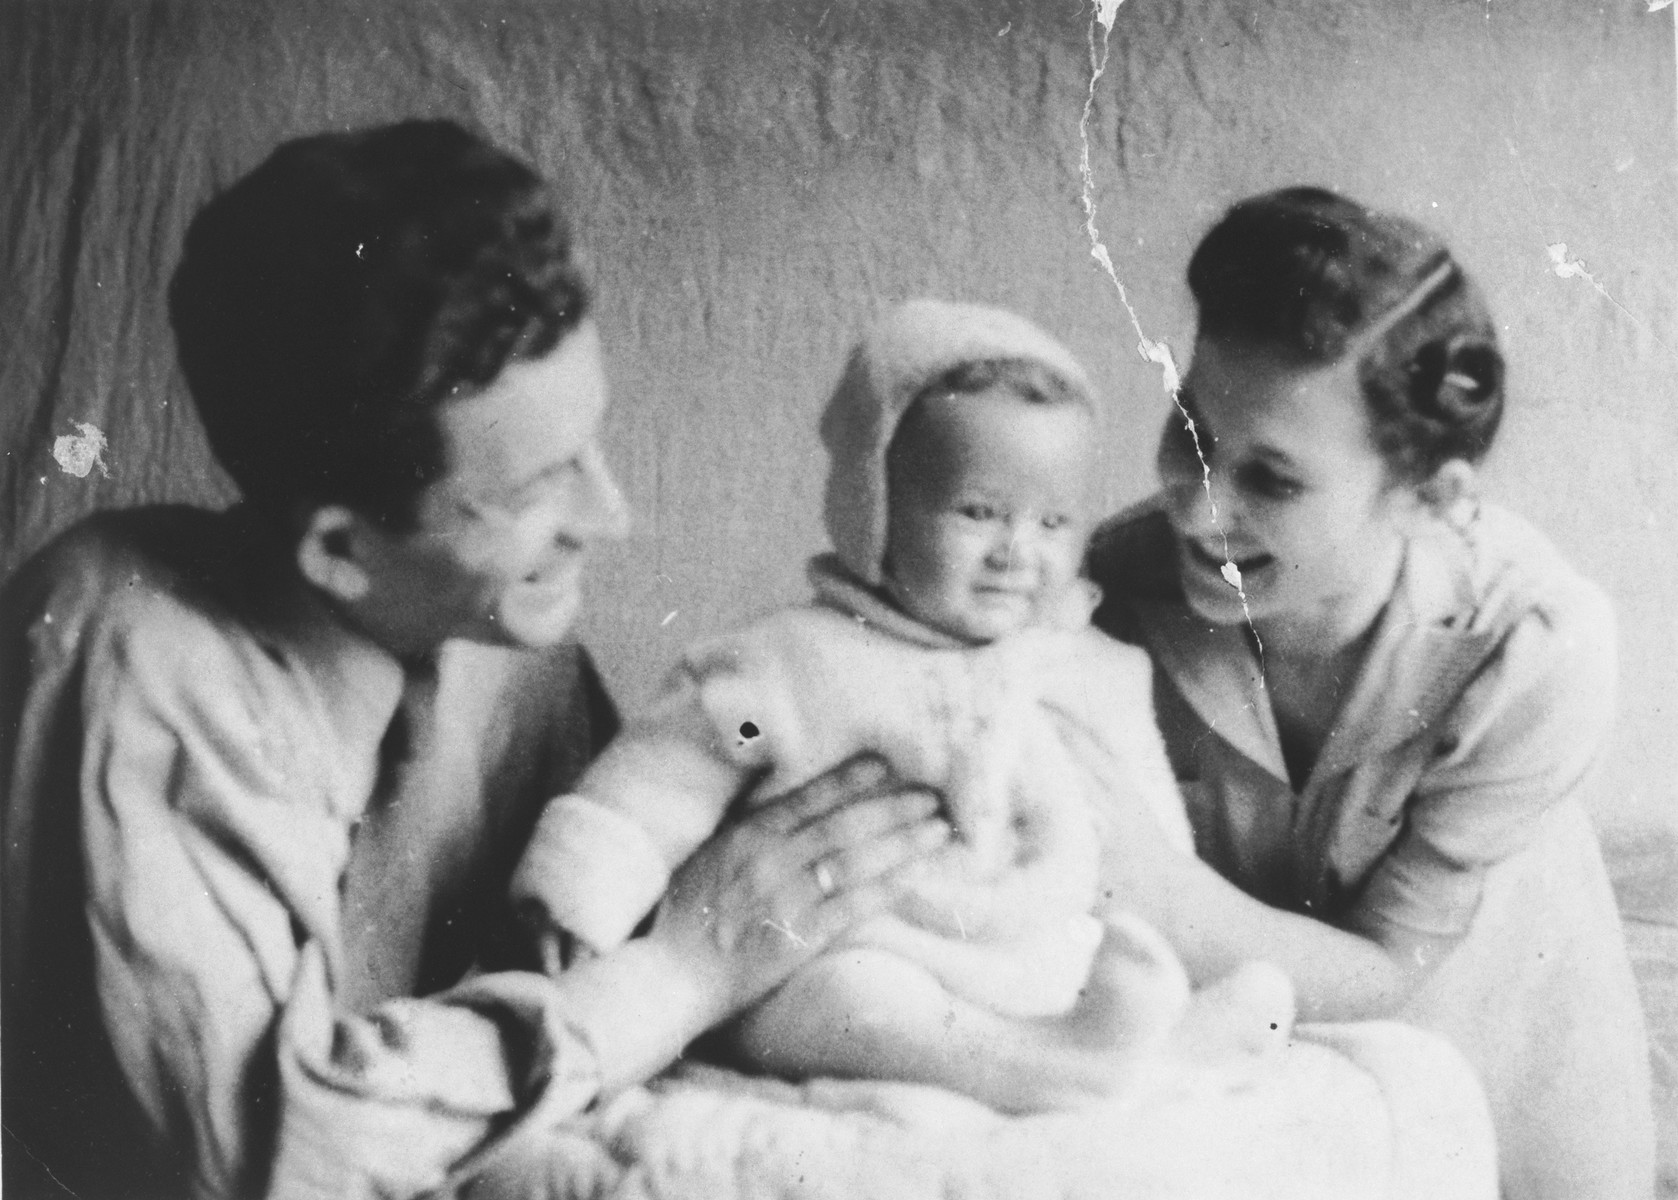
[837,914]
[874,865]
[863,820]
[858,777]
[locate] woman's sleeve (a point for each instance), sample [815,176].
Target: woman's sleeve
[1522,738]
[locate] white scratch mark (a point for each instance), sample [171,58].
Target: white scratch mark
[78,453]
[787,931]
[1568,267]
[1155,352]
[1159,353]
[961,926]
[1657,5]
[668,617]
[1565,267]
[44,1166]
[1010,25]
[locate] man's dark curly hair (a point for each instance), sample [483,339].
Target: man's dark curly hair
[1320,277]
[330,300]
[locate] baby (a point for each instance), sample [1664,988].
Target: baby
[949,634]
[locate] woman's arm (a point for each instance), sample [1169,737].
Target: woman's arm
[1338,974]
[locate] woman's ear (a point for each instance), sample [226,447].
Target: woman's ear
[328,553]
[1452,493]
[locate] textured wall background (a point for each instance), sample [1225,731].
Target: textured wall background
[754,181]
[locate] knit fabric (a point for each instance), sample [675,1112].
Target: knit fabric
[909,349]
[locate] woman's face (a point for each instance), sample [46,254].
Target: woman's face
[1304,506]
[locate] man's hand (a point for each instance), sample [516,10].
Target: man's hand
[766,895]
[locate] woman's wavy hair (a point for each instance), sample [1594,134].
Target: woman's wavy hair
[329,301]
[1320,277]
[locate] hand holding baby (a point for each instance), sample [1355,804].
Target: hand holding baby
[767,895]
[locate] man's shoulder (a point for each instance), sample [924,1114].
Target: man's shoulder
[155,582]
[118,551]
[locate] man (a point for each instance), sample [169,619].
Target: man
[316,717]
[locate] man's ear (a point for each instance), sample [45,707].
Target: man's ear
[1452,493]
[328,552]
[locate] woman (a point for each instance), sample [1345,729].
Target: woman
[1382,698]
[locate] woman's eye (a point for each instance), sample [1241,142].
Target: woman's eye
[1054,521]
[1267,482]
[977,512]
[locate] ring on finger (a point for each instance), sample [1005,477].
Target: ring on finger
[825,882]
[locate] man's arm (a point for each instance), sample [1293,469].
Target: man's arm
[211,857]
[391,1102]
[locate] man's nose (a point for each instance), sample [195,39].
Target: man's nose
[602,511]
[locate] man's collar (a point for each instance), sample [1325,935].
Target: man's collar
[355,680]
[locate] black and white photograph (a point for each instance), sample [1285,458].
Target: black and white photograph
[838,599]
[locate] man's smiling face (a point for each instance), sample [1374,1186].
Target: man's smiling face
[499,543]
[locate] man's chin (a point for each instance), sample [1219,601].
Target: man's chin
[532,622]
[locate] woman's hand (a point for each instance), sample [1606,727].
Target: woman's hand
[766,895]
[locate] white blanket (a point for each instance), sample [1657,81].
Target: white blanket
[1376,1110]
[1342,1112]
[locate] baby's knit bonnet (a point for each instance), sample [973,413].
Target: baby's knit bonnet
[911,347]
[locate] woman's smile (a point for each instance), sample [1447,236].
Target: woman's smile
[1216,560]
